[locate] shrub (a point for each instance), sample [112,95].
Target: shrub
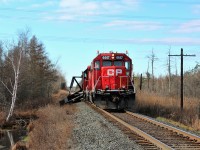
[53,127]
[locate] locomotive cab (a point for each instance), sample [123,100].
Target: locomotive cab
[109,81]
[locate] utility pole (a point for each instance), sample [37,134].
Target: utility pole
[140,82]
[169,70]
[182,55]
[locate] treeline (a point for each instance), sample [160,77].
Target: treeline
[38,76]
[170,85]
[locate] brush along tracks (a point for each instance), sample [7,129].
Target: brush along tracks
[151,134]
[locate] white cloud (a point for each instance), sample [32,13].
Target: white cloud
[189,27]
[9,1]
[88,8]
[5,1]
[45,4]
[135,25]
[70,3]
[77,7]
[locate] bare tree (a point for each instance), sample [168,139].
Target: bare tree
[152,58]
[148,75]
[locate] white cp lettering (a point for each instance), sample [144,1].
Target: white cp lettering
[118,71]
[111,72]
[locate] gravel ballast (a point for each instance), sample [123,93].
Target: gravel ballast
[93,132]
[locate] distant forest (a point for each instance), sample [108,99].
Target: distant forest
[169,85]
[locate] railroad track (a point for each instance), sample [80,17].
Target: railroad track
[151,134]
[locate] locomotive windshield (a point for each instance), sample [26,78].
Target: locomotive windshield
[113,63]
[107,63]
[118,63]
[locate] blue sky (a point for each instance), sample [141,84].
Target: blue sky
[73,30]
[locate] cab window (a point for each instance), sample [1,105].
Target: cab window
[107,63]
[85,74]
[118,63]
[127,65]
[97,65]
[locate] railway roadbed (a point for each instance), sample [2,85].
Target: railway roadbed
[93,131]
[165,137]
[151,134]
[99,129]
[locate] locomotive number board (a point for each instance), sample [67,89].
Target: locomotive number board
[105,57]
[119,57]
[108,57]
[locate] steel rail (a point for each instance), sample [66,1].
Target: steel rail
[178,131]
[146,136]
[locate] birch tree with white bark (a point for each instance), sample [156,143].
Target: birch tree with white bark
[15,63]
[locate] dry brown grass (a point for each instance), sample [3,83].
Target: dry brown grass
[53,128]
[59,96]
[2,117]
[31,113]
[154,105]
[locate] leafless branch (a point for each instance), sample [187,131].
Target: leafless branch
[6,87]
[11,84]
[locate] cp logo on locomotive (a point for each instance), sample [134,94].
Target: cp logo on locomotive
[112,72]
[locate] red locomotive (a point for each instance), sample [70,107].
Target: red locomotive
[107,82]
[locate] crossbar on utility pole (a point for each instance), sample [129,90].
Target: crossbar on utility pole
[182,74]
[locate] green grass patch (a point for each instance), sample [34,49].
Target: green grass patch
[177,124]
[25,139]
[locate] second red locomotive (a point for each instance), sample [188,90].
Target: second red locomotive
[108,83]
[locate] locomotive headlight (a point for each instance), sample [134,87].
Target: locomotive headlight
[113,56]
